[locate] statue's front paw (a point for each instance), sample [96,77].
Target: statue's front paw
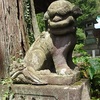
[32,77]
[65,71]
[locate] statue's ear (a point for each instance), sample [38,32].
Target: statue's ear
[46,16]
[76,12]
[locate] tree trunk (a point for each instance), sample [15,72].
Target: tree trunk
[34,21]
[13,37]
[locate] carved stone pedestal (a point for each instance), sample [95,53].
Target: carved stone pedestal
[77,91]
[60,87]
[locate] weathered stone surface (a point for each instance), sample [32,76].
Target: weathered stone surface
[54,79]
[77,91]
[53,49]
[3,91]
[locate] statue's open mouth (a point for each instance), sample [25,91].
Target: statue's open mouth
[62,31]
[61,25]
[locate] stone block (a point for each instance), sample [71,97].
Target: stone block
[77,91]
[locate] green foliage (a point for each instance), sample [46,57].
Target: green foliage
[6,81]
[79,48]
[90,68]
[95,67]
[28,20]
[93,98]
[40,21]
[80,35]
[27,11]
[89,9]
[94,73]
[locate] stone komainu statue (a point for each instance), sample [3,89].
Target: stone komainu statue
[53,49]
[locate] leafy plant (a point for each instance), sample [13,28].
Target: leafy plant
[28,20]
[90,9]
[40,21]
[79,49]
[90,68]
[94,73]
[80,36]
[95,67]
[6,81]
